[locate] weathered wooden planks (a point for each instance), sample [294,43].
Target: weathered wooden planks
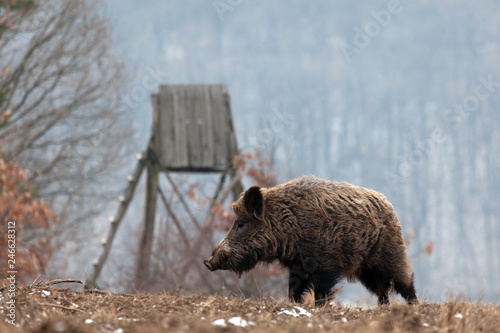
[194,128]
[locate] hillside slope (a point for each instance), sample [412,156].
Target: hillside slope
[47,309]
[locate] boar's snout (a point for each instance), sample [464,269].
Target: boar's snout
[208,263]
[219,257]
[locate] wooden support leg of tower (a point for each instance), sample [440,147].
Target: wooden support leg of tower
[219,187]
[183,202]
[182,233]
[116,220]
[146,242]
[237,189]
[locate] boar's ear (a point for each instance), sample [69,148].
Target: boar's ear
[253,201]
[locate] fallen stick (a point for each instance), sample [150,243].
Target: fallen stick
[62,307]
[57,281]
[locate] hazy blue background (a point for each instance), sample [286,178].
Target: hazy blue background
[400,115]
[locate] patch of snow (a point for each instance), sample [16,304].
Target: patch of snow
[344,319]
[459,316]
[303,312]
[287,312]
[238,321]
[119,330]
[309,325]
[426,324]
[88,321]
[297,312]
[45,293]
[108,327]
[219,322]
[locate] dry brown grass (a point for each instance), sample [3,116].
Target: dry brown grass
[65,310]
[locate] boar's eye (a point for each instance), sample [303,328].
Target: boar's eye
[239,224]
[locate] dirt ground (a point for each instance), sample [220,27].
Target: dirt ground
[48,309]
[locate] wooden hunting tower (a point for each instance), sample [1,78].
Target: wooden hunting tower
[192,132]
[192,129]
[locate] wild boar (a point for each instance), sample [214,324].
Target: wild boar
[321,231]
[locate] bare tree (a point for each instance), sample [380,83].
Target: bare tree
[61,87]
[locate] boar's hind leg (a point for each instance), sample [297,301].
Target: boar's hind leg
[406,287]
[377,282]
[297,284]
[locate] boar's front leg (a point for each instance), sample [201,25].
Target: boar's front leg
[324,281]
[298,282]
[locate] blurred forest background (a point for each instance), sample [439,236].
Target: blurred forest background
[399,96]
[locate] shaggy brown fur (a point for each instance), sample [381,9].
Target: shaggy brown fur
[321,231]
